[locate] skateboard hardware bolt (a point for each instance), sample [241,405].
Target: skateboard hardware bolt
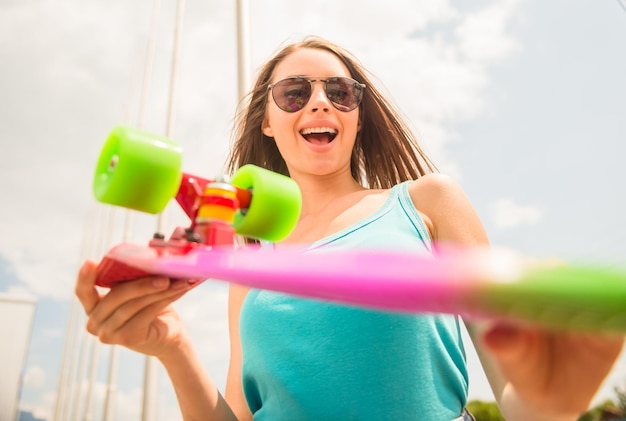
[113,162]
[193,237]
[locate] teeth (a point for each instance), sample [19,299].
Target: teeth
[311,130]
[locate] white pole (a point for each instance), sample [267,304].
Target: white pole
[68,361]
[67,394]
[94,357]
[109,402]
[243,50]
[171,108]
[109,399]
[151,368]
[17,313]
[150,389]
[79,381]
[147,76]
[93,372]
[68,364]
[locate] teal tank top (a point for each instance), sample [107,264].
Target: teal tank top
[311,360]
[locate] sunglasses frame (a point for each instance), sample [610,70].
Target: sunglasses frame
[355,83]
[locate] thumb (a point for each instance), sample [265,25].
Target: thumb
[85,288]
[508,342]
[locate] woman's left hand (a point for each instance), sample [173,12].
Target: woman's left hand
[553,372]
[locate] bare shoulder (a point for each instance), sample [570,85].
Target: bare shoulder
[436,193]
[434,184]
[446,209]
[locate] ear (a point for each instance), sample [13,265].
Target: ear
[266,128]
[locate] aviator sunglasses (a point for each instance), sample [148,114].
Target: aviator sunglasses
[293,93]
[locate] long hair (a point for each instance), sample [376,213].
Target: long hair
[385,153]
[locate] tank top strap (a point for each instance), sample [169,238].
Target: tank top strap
[401,191]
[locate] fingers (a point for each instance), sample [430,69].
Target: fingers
[508,342]
[128,312]
[126,300]
[149,325]
[511,341]
[85,288]
[129,300]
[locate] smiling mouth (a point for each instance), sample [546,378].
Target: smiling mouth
[319,135]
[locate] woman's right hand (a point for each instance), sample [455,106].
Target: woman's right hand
[136,314]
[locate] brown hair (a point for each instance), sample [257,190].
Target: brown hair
[385,152]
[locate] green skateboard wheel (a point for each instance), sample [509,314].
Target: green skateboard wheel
[275,205]
[137,170]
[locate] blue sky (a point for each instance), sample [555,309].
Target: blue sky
[522,102]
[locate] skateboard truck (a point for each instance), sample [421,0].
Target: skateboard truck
[211,206]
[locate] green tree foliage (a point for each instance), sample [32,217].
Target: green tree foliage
[485,411]
[606,411]
[621,400]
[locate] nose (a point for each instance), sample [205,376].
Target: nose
[319,100]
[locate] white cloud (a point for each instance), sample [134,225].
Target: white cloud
[483,33]
[35,377]
[506,214]
[127,405]
[438,71]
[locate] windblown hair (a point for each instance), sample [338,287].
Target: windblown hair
[385,153]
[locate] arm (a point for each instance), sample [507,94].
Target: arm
[198,398]
[139,316]
[542,374]
[234,387]
[534,374]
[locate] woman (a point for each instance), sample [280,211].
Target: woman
[316,116]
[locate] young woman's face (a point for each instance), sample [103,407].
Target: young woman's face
[318,138]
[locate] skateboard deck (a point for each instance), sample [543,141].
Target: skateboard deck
[472,283]
[140,171]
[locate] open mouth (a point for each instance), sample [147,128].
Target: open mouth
[319,135]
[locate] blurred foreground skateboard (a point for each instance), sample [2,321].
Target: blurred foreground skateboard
[140,171]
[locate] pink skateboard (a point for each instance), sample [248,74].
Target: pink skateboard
[472,283]
[260,204]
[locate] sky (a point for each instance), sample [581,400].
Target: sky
[521,101]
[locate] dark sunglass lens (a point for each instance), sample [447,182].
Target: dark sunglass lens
[291,95]
[345,93]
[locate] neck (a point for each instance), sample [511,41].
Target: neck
[318,191]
